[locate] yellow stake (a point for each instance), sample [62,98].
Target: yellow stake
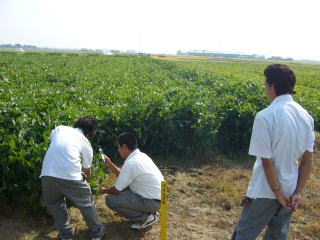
[163,210]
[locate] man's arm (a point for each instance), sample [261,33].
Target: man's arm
[271,176]
[111,190]
[304,172]
[87,172]
[112,166]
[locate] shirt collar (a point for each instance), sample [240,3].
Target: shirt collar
[283,98]
[135,152]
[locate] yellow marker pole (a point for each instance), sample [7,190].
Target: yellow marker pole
[163,210]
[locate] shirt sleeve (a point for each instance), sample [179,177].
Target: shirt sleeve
[260,144]
[125,177]
[311,138]
[87,154]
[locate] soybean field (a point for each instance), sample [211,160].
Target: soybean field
[175,106]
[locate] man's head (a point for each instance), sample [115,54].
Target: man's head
[87,125]
[280,80]
[127,143]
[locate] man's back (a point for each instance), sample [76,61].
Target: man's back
[290,128]
[62,159]
[141,174]
[283,132]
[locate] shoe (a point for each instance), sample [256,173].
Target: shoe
[151,219]
[60,238]
[98,238]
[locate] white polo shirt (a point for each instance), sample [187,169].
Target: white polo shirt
[63,158]
[141,174]
[283,132]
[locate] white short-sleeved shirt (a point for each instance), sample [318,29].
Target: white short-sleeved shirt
[141,174]
[63,158]
[283,132]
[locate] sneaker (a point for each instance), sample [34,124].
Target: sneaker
[60,238]
[151,219]
[98,238]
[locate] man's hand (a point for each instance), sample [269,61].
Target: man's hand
[283,199]
[87,172]
[107,160]
[102,191]
[294,201]
[111,165]
[111,190]
[304,172]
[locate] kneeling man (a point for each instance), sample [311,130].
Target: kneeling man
[136,194]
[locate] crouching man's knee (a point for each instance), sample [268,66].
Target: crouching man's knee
[111,201]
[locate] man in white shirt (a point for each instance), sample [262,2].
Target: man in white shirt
[282,140]
[136,193]
[70,152]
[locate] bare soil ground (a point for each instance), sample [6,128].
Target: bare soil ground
[203,204]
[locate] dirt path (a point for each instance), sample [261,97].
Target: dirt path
[203,204]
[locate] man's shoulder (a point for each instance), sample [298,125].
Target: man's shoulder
[70,133]
[63,128]
[273,109]
[265,112]
[301,109]
[278,111]
[139,159]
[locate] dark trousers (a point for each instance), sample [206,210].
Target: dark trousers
[132,206]
[54,192]
[263,212]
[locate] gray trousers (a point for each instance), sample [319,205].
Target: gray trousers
[263,212]
[54,191]
[132,206]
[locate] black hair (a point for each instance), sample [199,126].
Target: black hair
[128,139]
[282,77]
[88,125]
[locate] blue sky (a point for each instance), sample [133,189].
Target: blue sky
[269,27]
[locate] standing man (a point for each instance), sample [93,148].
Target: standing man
[62,178]
[282,140]
[136,194]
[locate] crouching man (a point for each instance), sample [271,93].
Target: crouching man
[136,194]
[70,152]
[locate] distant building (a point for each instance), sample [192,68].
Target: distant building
[107,52]
[218,54]
[230,55]
[280,58]
[141,54]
